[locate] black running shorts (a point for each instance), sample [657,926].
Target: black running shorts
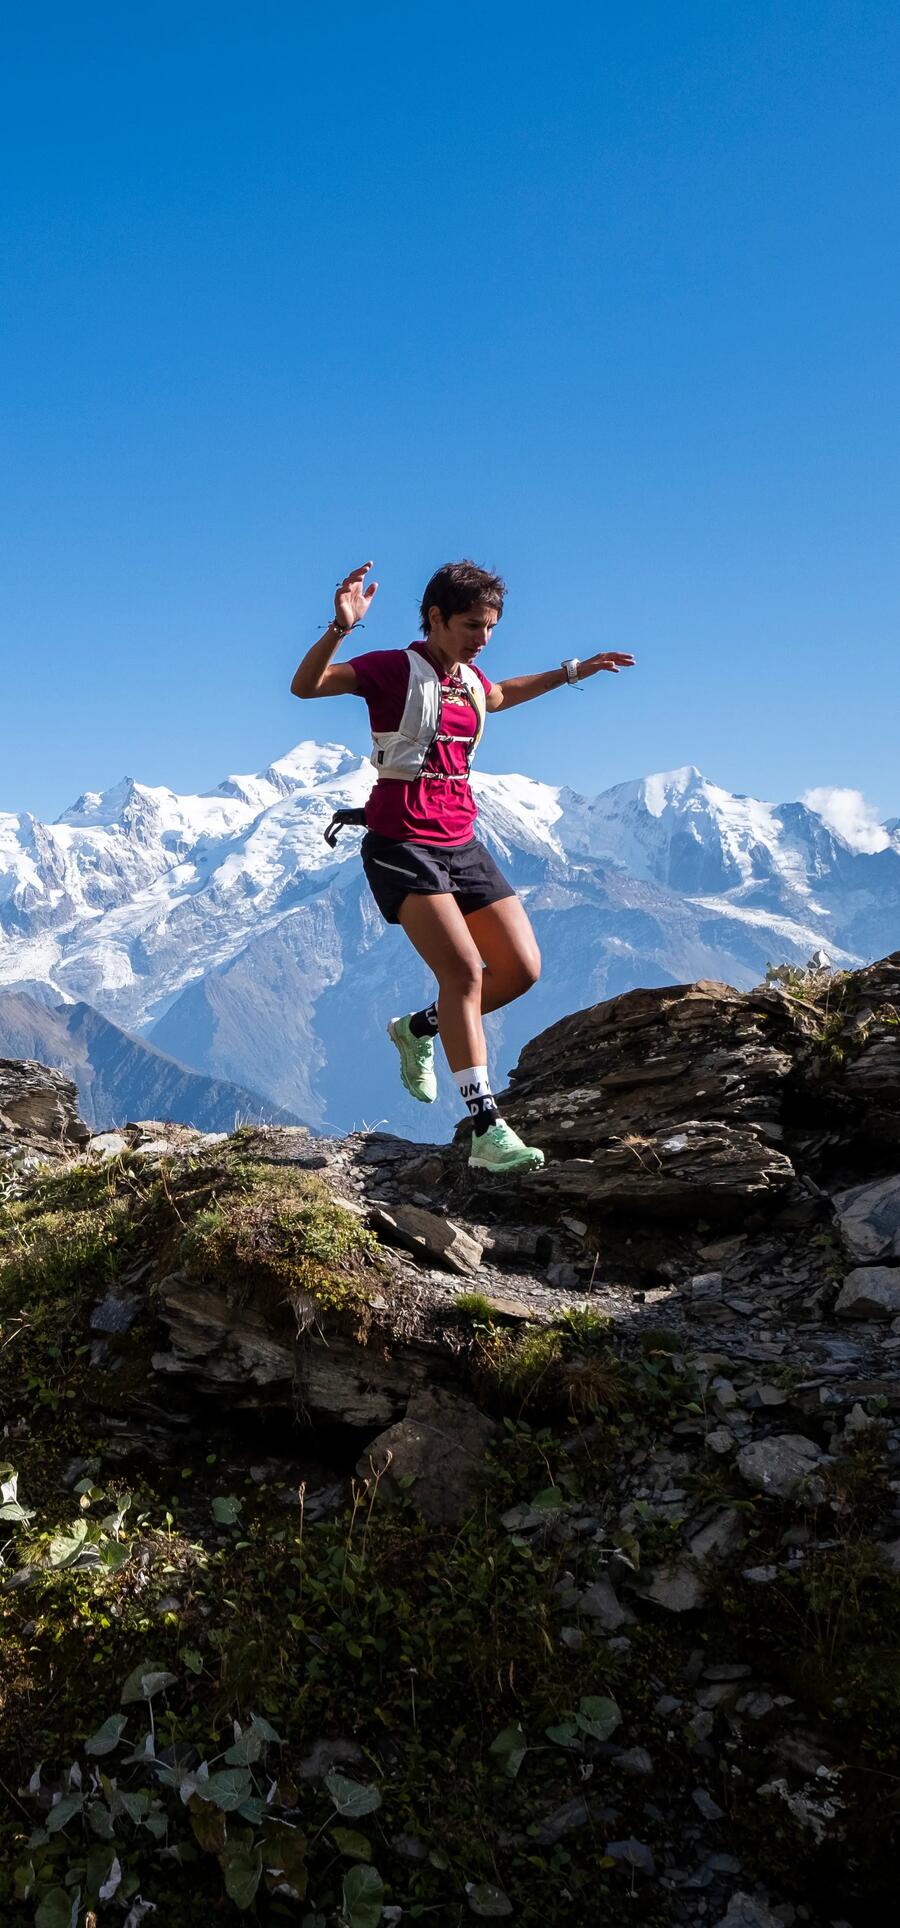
[464,871]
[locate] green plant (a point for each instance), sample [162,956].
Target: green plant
[474,1309]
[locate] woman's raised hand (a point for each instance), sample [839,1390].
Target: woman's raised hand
[351,600]
[610,659]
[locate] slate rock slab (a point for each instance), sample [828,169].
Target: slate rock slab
[634,1854]
[39,1108]
[720,1535]
[705,1166]
[116,1312]
[429,1235]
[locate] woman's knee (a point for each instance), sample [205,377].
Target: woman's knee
[461,976]
[520,973]
[527,970]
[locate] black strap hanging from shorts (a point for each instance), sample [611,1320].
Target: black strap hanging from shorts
[340,818]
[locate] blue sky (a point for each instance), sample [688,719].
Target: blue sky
[605,297]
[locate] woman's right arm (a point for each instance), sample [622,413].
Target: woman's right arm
[317,675]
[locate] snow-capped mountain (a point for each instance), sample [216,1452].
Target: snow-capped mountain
[224,929]
[678,829]
[822,865]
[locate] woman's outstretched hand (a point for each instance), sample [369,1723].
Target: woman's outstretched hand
[609,659]
[351,600]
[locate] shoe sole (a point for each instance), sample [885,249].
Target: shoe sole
[403,1077]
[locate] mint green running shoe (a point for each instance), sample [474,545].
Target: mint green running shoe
[500,1149]
[416,1061]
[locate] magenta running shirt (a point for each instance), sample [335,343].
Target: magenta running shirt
[426,810]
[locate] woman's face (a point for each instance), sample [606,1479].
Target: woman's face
[467,633]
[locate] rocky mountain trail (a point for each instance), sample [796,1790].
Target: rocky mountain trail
[786,1292]
[695,1342]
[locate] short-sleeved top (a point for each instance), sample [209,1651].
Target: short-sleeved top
[427,810]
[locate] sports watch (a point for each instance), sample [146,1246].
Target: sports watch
[570,665]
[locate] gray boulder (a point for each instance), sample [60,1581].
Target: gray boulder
[870,1292]
[744,1912]
[718,1536]
[869,1220]
[599,1603]
[780,1464]
[677,1588]
[429,1236]
[439,1446]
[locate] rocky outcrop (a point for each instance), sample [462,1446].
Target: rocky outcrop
[663,1101]
[697,1099]
[662,1113]
[38,1112]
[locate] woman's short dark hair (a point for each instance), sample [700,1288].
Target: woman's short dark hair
[459,586]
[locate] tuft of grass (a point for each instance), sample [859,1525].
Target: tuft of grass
[281,1234]
[474,1308]
[565,1368]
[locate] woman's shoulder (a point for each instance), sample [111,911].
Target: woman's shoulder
[381,670]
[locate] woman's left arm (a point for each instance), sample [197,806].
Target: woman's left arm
[521,689]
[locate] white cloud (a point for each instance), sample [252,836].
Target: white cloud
[847,813]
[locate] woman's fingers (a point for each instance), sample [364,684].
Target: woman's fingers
[351,600]
[353,576]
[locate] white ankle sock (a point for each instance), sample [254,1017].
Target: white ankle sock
[475,1091]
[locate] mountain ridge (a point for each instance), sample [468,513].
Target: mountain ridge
[118,1076]
[221,927]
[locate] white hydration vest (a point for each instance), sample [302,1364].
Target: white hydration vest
[401,753]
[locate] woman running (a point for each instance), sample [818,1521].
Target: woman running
[427,871]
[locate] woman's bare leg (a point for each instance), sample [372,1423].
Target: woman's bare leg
[437,929]
[506,942]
